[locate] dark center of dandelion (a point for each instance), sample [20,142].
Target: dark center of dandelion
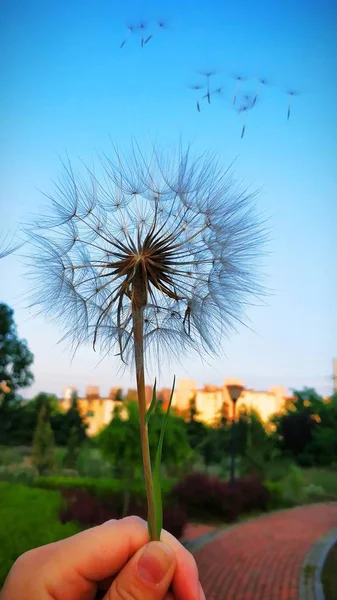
[144,268]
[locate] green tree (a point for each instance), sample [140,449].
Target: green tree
[73,449]
[43,456]
[75,427]
[66,424]
[307,430]
[119,395]
[119,441]
[15,374]
[256,447]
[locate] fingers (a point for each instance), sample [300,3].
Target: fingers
[83,560]
[185,582]
[103,551]
[147,576]
[75,568]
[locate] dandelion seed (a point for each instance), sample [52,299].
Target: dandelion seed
[292,94]
[239,79]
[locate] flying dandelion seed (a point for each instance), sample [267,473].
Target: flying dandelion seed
[159,255]
[261,82]
[208,75]
[198,88]
[239,79]
[142,29]
[247,104]
[131,29]
[211,93]
[160,26]
[292,94]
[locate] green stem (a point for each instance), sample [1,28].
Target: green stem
[140,376]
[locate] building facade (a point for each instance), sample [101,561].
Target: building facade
[212,400]
[210,403]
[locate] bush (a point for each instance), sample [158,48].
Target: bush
[9,456]
[20,474]
[100,487]
[91,464]
[254,494]
[87,509]
[29,519]
[314,493]
[205,497]
[293,486]
[276,498]
[324,478]
[208,498]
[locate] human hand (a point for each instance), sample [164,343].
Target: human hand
[113,561]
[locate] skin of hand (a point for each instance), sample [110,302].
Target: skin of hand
[114,561]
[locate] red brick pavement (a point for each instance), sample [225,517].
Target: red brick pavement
[262,559]
[192,532]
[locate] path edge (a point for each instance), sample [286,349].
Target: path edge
[310,585]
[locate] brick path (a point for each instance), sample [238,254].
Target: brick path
[192,532]
[262,559]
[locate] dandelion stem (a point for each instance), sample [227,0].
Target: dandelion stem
[139,301]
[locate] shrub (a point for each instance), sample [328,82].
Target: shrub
[91,464]
[276,497]
[9,456]
[208,498]
[205,497]
[293,486]
[100,487]
[324,478]
[87,509]
[314,493]
[254,494]
[20,474]
[29,519]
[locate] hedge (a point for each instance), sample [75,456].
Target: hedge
[100,487]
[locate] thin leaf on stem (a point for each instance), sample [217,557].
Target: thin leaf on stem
[153,403]
[158,501]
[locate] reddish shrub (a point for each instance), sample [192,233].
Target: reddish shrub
[84,508]
[254,494]
[175,519]
[88,510]
[206,497]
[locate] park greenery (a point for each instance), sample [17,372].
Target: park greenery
[51,471]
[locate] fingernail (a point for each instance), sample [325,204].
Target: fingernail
[155,562]
[201,593]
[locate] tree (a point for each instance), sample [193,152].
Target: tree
[15,360]
[69,425]
[15,357]
[119,441]
[76,430]
[73,449]
[256,446]
[192,409]
[119,395]
[43,457]
[307,431]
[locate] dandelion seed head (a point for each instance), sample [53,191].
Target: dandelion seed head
[170,238]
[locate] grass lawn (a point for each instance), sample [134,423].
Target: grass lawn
[28,518]
[329,575]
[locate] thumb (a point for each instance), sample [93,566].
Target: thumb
[147,576]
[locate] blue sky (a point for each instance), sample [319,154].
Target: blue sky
[67,86]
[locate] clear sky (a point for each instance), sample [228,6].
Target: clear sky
[66,86]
